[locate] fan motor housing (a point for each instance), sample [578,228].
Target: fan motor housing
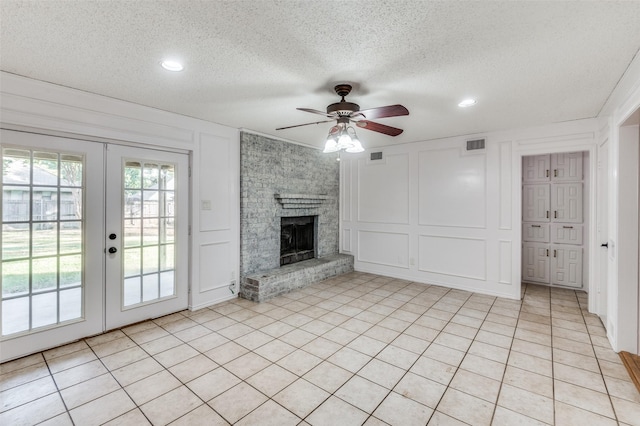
[343,108]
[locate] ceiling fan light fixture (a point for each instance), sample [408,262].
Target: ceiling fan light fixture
[357,147]
[331,145]
[171,65]
[467,103]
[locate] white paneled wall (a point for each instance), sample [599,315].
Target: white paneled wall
[436,213]
[215,151]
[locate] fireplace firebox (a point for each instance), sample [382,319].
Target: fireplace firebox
[297,239]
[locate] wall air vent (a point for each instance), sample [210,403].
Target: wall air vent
[475,144]
[376,156]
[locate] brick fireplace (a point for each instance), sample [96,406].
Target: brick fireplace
[279,181]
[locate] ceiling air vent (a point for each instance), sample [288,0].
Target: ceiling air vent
[376,156]
[475,144]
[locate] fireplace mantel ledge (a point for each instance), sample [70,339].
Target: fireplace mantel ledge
[301,201]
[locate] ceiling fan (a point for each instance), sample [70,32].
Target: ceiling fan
[343,136]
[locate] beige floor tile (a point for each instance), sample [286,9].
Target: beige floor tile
[170,406]
[104,338]
[237,402]
[20,363]
[367,345]
[103,409]
[613,369]
[34,412]
[24,375]
[623,389]
[299,362]
[494,339]
[466,408]
[60,420]
[133,417]
[234,331]
[441,419]
[529,381]
[219,323]
[362,393]
[68,360]
[226,353]
[572,416]
[297,338]
[488,351]
[89,390]
[192,333]
[397,356]
[460,330]
[583,398]
[340,335]
[270,414]
[335,411]
[531,363]
[444,354]
[420,389]
[126,357]
[452,341]
[247,365]
[137,328]
[579,377]
[628,412]
[113,346]
[201,416]
[254,339]
[301,397]
[175,355]
[148,335]
[328,376]
[192,368]
[572,335]
[271,380]
[434,370]
[382,373]
[421,332]
[60,351]
[505,417]
[138,370]
[576,360]
[27,392]
[573,346]
[527,403]
[349,359]
[213,383]
[152,387]
[476,385]
[78,374]
[398,410]
[322,347]
[483,366]
[411,343]
[161,344]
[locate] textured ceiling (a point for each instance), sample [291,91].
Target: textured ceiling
[249,64]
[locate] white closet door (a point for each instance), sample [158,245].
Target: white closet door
[536,168]
[566,202]
[566,234]
[567,167]
[566,266]
[535,262]
[535,203]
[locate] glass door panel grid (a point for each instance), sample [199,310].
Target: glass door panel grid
[42,239]
[148,232]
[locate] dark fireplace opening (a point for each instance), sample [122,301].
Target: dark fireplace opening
[297,239]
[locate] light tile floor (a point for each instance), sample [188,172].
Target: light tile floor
[355,349]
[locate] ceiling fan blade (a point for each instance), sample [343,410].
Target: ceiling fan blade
[306,124]
[377,127]
[382,112]
[315,111]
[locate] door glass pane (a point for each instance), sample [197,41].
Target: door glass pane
[148,224]
[42,220]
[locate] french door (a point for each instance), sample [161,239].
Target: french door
[90,241]
[146,234]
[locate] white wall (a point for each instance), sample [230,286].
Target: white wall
[433,213]
[215,151]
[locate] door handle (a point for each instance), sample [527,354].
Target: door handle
[112,250]
[605,245]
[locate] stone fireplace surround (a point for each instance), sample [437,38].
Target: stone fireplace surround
[281,179]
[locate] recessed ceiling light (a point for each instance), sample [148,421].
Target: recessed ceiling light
[172,65]
[467,103]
